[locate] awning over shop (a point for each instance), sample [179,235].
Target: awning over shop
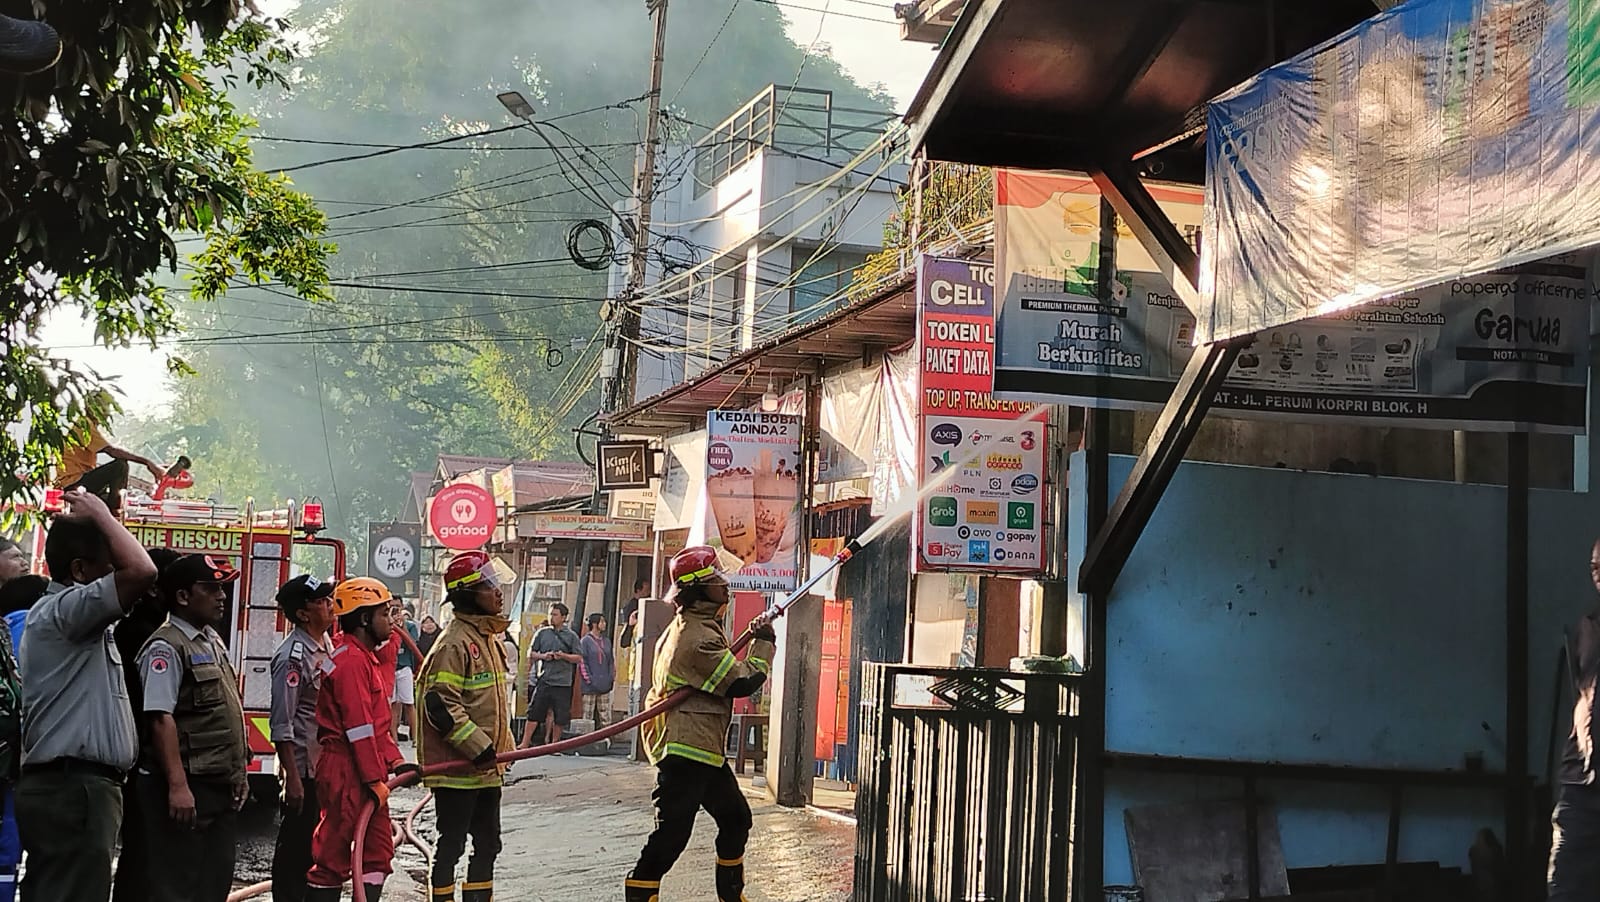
[1070,84]
[881,321]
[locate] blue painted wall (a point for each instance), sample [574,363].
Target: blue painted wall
[1309,617]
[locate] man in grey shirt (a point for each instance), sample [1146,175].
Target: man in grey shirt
[555,647]
[78,737]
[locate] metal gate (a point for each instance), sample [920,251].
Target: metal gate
[966,791]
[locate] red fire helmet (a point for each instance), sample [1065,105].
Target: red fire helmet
[695,565]
[472,567]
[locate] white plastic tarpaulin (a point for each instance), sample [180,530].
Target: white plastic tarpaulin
[1434,142]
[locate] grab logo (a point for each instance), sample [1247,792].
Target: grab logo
[462,516]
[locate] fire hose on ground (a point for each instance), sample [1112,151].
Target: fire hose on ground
[553,748]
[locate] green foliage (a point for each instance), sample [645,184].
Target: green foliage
[127,142]
[431,342]
[955,199]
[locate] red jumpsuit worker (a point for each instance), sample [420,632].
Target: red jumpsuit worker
[358,752]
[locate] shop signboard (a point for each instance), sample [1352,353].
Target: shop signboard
[462,516]
[394,553]
[1496,352]
[753,485]
[1428,145]
[582,526]
[624,465]
[989,515]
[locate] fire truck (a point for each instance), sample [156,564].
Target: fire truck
[262,544]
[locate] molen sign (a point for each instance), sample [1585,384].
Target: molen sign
[624,465]
[462,516]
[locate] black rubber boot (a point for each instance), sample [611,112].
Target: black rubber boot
[478,891]
[444,893]
[642,890]
[374,891]
[730,880]
[323,893]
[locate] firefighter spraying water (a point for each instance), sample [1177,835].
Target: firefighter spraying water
[686,743]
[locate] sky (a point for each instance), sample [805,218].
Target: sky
[870,51]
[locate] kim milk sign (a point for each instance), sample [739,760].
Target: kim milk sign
[988,513]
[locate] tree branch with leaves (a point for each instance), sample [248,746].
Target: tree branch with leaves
[106,159]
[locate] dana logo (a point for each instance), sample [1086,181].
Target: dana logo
[978,552]
[945,434]
[1004,462]
[1019,515]
[986,512]
[942,511]
[1018,557]
[1025,483]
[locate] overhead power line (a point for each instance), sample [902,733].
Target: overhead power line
[400,147]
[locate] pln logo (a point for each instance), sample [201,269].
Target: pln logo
[464,510]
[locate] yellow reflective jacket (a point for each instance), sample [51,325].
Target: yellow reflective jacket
[463,699]
[694,652]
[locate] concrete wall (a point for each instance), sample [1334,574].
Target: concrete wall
[1309,617]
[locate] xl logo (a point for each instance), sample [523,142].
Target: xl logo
[465,510]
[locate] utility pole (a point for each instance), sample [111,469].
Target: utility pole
[645,190]
[622,352]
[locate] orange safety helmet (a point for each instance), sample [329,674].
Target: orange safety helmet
[472,567]
[361,592]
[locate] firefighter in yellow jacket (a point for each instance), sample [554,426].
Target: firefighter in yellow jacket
[466,718]
[687,743]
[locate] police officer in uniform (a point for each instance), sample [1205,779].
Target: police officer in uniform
[687,744]
[297,670]
[193,770]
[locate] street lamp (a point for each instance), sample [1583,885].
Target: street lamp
[516,104]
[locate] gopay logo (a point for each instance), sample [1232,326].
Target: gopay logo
[941,511]
[1019,515]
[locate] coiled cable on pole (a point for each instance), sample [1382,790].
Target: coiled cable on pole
[598,261]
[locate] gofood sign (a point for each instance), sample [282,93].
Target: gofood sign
[462,516]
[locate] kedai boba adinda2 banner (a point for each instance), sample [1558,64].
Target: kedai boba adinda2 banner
[753,485]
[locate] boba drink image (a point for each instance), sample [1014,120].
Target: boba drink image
[777,491]
[733,505]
